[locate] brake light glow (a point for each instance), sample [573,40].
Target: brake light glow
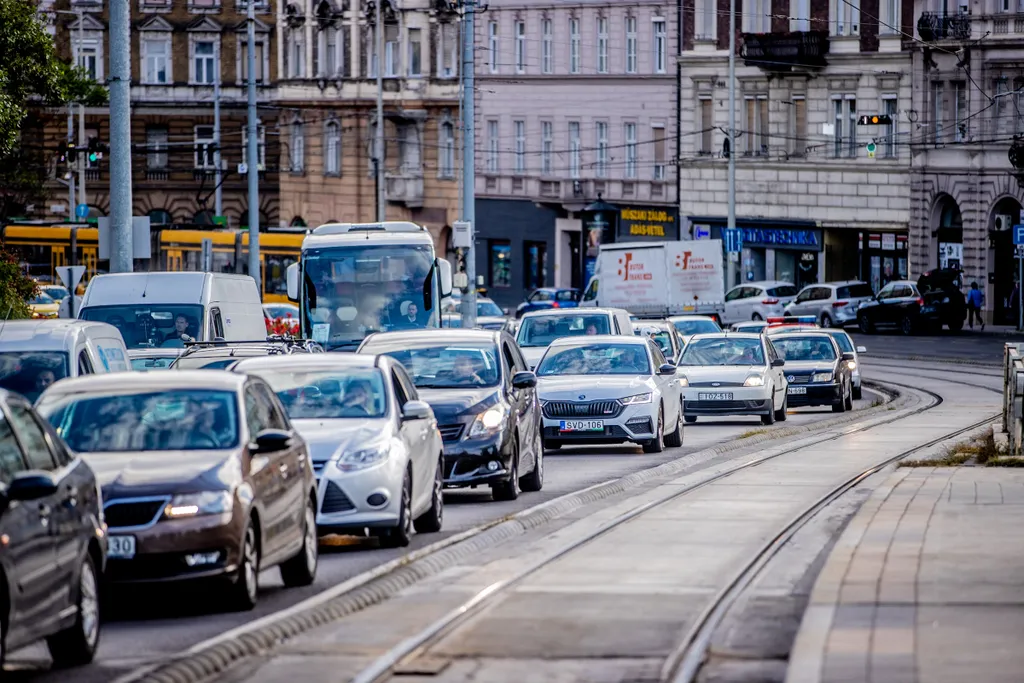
[839,304]
[920,301]
[769,302]
[554,304]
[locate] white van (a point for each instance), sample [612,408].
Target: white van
[164,310]
[36,353]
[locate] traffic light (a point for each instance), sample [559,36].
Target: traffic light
[96,150]
[874,120]
[68,151]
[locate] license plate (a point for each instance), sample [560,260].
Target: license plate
[715,396]
[121,547]
[797,390]
[581,426]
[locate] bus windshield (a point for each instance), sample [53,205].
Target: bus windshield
[352,291]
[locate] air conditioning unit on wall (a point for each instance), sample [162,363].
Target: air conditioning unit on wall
[1004,222]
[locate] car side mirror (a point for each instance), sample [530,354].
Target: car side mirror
[31,485]
[292,279]
[862,349]
[506,310]
[416,410]
[667,369]
[524,380]
[444,277]
[778,362]
[271,441]
[849,356]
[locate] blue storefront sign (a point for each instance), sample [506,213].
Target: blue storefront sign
[799,238]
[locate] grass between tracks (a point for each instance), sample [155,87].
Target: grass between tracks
[978,451]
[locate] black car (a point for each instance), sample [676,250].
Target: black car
[934,301]
[52,542]
[817,370]
[485,401]
[944,301]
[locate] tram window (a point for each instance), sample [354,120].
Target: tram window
[276,268]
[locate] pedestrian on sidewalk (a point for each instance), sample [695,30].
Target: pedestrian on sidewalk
[975,301]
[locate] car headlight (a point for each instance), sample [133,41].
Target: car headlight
[363,458]
[852,364]
[821,377]
[487,423]
[203,503]
[683,382]
[633,400]
[754,381]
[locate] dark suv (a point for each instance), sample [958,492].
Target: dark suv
[52,543]
[944,302]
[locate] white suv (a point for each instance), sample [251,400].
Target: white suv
[757,301]
[834,304]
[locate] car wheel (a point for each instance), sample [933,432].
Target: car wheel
[690,419]
[76,645]
[769,417]
[826,320]
[534,481]
[864,323]
[780,416]
[301,569]
[839,406]
[858,393]
[756,317]
[675,438]
[509,489]
[907,325]
[551,445]
[849,398]
[400,535]
[242,595]
[430,521]
[955,325]
[657,444]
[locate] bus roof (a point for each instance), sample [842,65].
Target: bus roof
[339,234]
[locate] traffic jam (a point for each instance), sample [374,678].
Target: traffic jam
[179,432]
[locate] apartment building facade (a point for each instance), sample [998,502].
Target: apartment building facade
[574,102]
[178,49]
[326,95]
[966,196]
[819,195]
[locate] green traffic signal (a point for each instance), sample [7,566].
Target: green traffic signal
[871,147]
[93,157]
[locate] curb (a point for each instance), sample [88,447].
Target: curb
[211,658]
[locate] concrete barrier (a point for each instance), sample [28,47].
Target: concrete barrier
[1013,395]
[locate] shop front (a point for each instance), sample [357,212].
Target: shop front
[883,258]
[789,251]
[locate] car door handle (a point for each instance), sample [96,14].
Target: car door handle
[71,499]
[283,469]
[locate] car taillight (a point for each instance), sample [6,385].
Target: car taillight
[769,302]
[839,304]
[554,304]
[920,301]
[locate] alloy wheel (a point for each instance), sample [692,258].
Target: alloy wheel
[89,604]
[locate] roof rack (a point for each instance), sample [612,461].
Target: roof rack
[291,343]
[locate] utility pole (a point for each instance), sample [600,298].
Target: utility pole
[731,221]
[120,138]
[218,197]
[71,174]
[82,163]
[467,74]
[378,146]
[253,154]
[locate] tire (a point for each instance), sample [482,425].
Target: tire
[840,405]
[955,325]
[534,481]
[848,403]
[551,445]
[242,593]
[826,320]
[907,326]
[76,645]
[430,521]
[400,535]
[858,393]
[675,438]
[781,415]
[864,323]
[301,569]
[769,419]
[509,489]
[756,317]
[657,444]
[690,419]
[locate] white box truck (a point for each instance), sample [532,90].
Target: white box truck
[659,279]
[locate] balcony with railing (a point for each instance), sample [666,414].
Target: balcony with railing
[780,52]
[939,26]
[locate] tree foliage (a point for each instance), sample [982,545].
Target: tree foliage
[15,288]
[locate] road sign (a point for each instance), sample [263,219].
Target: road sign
[733,240]
[70,275]
[1018,234]
[82,210]
[871,150]
[702,232]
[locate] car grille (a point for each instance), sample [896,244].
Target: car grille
[799,379]
[715,384]
[724,405]
[610,431]
[641,426]
[573,409]
[451,432]
[131,513]
[335,500]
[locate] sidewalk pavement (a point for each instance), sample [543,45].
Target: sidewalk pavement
[926,585]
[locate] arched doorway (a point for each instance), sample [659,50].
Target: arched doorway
[1002,264]
[949,233]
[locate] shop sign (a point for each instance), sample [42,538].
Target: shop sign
[874,241]
[889,241]
[782,237]
[639,223]
[951,254]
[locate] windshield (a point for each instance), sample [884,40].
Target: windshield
[155,326]
[723,351]
[178,419]
[55,292]
[350,292]
[844,341]
[854,291]
[329,394]
[542,330]
[30,372]
[484,309]
[804,348]
[42,298]
[783,291]
[698,326]
[595,359]
[152,363]
[447,365]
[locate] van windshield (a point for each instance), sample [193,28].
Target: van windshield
[30,372]
[150,326]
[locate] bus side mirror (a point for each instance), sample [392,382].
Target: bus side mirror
[292,276]
[444,271]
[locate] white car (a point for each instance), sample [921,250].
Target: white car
[733,373]
[846,346]
[609,389]
[689,325]
[375,446]
[757,300]
[539,328]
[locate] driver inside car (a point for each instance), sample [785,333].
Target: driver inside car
[358,399]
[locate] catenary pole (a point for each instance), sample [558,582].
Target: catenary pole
[252,153]
[469,161]
[120,138]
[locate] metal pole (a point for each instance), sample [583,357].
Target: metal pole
[731,222]
[253,155]
[469,162]
[71,173]
[120,138]
[1020,293]
[379,137]
[218,197]
[81,117]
